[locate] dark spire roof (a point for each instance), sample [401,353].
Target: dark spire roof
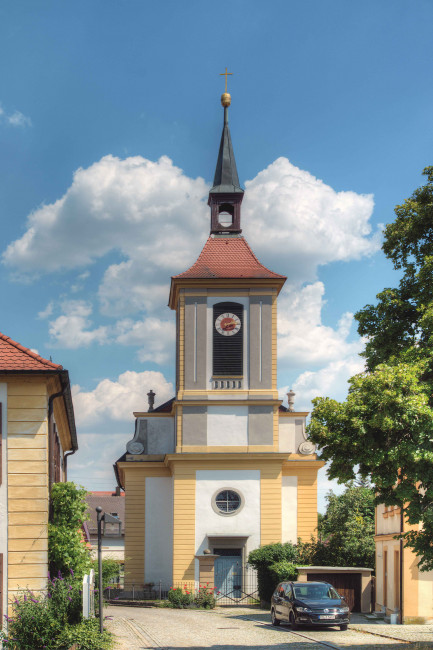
[226,180]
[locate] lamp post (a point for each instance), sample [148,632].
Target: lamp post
[107,519]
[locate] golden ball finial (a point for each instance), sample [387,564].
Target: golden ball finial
[226,99]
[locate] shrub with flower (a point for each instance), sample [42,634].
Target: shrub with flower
[205,597]
[52,620]
[180,597]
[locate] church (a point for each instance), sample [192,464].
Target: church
[223,467]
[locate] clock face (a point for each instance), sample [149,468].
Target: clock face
[227,324]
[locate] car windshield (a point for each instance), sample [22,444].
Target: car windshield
[315,592]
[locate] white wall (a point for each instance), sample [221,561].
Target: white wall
[245,523]
[291,433]
[4,495]
[158,530]
[227,425]
[289,507]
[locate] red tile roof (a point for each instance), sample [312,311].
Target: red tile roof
[227,257]
[14,356]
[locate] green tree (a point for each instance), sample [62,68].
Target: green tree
[347,528]
[384,430]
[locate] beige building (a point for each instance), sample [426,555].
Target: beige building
[401,588]
[113,537]
[37,432]
[223,467]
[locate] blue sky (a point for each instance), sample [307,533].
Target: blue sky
[109,127]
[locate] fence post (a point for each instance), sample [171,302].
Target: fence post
[88,594]
[160,590]
[133,592]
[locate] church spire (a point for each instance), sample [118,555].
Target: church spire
[226,195]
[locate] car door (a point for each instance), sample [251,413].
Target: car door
[279,599]
[287,602]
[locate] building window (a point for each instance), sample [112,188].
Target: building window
[227,502]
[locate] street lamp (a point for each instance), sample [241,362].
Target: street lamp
[107,519]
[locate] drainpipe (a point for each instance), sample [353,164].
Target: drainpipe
[401,564]
[50,436]
[65,462]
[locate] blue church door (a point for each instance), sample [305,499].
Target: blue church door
[228,572]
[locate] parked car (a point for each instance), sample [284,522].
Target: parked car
[308,603]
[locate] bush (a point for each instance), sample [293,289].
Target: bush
[33,624]
[53,620]
[179,598]
[86,635]
[205,597]
[266,556]
[66,546]
[65,598]
[283,570]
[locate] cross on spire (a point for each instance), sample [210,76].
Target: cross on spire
[224,74]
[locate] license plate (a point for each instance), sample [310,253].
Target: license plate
[327,616]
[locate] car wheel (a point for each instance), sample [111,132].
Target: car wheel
[274,619]
[293,623]
[343,627]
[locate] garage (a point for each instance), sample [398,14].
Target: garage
[353,583]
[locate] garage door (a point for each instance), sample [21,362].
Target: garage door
[348,585]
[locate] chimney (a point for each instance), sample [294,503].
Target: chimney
[151,400]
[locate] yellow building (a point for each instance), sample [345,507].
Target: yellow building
[37,431]
[222,468]
[398,579]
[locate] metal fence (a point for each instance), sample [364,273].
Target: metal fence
[243,591]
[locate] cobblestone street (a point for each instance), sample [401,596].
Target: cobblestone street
[242,628]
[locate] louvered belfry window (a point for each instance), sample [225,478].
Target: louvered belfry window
[228,350]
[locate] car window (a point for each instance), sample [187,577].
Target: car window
[281,589]
[289,592]
[315,591]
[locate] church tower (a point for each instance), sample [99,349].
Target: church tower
[223,467]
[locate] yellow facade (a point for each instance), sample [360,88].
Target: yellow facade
[27,460]
[395,579]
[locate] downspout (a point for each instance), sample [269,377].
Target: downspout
[401,564]
[65,462]
[50,437]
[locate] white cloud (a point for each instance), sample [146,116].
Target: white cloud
[114,401]
[14,119]
[330,381]
[302,338]
[157,218]
[45,313]
[296,222]
[71,329]
[146,210]
[156,338]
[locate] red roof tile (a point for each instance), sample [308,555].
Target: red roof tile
[228,257]
[14,356]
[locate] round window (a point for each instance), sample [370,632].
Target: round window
[227,502]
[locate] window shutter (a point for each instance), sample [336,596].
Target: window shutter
[228,350]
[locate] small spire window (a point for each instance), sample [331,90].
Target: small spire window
[225,215]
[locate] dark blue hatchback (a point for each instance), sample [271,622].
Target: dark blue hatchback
[308,603]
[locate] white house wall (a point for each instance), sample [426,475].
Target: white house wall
[289,507]
[158,535]
[245,523]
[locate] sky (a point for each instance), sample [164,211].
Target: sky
[110,121]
